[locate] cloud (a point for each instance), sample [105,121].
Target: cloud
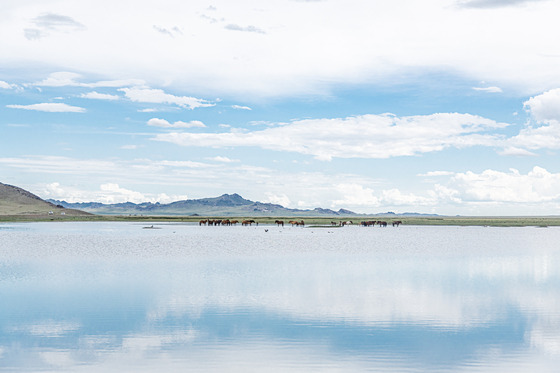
[158,96]
[494,3]
[545,107]
[538,185]
[223,159]
[66,78]
[366,136]
[235,27]
[51,22]
[107,193]
[488,89]
[241,107]
[157,122]
[174,31]
[5,85]
[50,107]
[543,132]
[436,173]
[99,96]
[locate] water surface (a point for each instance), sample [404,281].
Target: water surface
[116,297]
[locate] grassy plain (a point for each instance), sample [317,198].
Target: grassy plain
[521,221]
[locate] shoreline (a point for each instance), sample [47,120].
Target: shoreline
[494,221]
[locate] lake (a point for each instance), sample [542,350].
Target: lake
[115,297]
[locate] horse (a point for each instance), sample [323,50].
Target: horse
[279,222]
[226,222]
[203,222]
[369,223]
[247,222]
[233,222]
[396,223]
[381,223]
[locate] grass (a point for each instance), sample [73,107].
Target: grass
[522,221]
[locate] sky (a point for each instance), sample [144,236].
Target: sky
[449,107]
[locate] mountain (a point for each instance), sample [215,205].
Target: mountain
[224,205]
[18,201]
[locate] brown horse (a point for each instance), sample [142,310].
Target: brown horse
[396,223]
[247,222]
[381,223]
[233,222]
[203,222]
[279,222]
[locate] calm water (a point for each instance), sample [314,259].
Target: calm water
[114,297]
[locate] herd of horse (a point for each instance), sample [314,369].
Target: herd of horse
[227,222]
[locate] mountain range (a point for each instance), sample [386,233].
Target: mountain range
[224,205]
[17,201]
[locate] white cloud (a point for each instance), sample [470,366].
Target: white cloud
[107,193]
[543,132]
[241,107]
[545,107]
[356,195]
[437,173]
[223,159]
[277,199]
[5,85]
[129,147]
[172,32]
[50,107]
[46,23]
[158,96]
[99,96]
[537,186]
[488,89]
[157,122]
[366,136]
[66,78]
[291,57]
[484,4]
[249,28]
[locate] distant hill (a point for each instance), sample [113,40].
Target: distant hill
[18,201]
[224,205]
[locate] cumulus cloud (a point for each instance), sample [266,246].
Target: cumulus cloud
[157,122]
[366,136]
[543,132]
[545,107]
[51,22]
[107,193]
[538,185]
[99,96]
[50,107]
[158,96]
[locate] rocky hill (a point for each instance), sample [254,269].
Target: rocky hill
[18,201]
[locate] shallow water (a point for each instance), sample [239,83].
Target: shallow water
[115,297]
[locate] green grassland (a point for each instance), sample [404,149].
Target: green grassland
[521,221]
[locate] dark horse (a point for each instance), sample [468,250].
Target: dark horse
[279,222]
[396,223]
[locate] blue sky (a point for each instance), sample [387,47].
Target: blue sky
[439,106]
